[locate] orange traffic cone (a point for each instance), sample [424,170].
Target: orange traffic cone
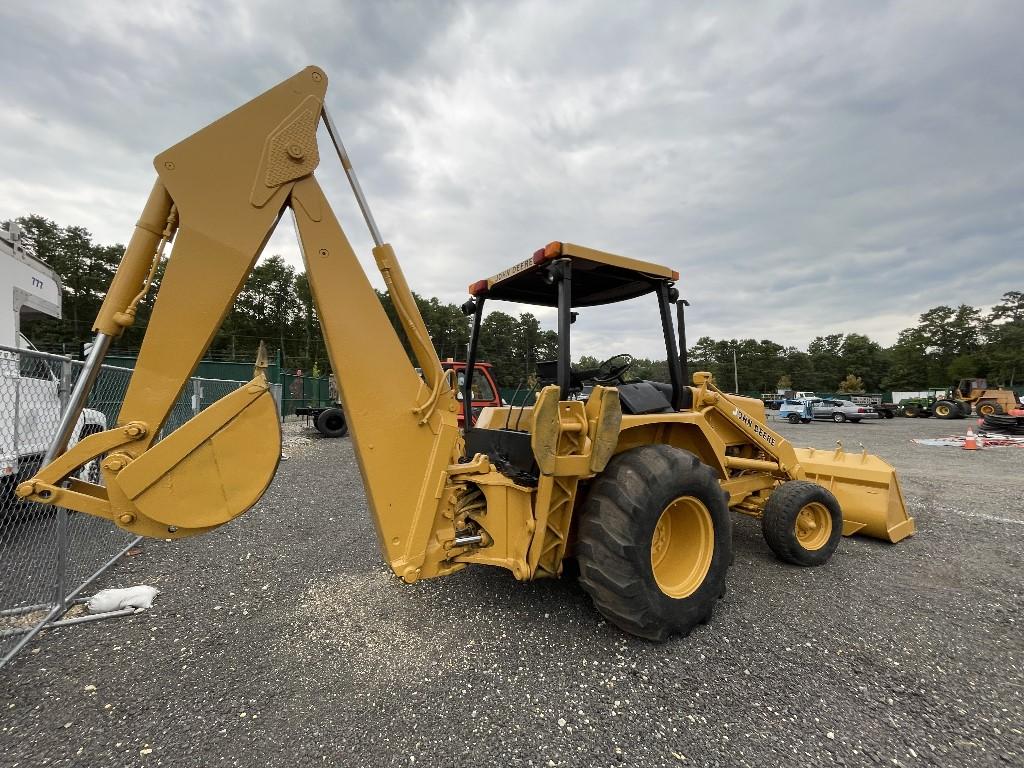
[970,442]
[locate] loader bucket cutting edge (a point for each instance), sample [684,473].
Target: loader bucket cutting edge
[867,490]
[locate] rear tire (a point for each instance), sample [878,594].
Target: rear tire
[910,411]
[793,418]
[331,423]
[838,418]
[946,409]
[802,523]
[655,541]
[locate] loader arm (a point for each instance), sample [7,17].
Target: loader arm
[867,487]
[219,195]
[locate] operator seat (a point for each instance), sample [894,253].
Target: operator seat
[666,390]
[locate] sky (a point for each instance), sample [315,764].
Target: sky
[808,168]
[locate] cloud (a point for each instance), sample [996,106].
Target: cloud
[807,168]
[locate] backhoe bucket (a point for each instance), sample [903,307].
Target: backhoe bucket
[867,489]
[211,469]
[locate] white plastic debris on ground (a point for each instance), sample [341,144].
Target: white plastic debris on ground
[986,440]
[140,598]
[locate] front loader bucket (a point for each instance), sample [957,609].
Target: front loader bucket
[867,489]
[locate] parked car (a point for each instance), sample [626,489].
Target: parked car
[842,410]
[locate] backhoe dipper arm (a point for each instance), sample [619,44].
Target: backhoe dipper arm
[220,193]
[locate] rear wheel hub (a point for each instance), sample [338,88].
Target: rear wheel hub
[682,545]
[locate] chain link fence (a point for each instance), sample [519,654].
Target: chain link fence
[48,555]
[306,391]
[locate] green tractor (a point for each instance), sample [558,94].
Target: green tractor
[915,407]
[945,407]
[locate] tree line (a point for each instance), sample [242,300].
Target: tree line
[276,305]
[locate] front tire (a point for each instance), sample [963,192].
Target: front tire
[655,541]
[802,523]
[988,408]
[946,409]
[838,418]
[793,418]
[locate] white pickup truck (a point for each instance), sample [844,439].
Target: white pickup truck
[30,407]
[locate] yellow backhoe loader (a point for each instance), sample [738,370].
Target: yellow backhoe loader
[986,401]
[635,483]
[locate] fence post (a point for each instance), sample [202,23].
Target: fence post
[60,580]
[197,396]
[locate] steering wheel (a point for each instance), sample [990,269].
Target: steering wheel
[611,370]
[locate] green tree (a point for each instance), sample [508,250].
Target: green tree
[497,334]
[1005,339]
[826,358]
[851,384]
[864,359]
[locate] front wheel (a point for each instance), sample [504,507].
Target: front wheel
[911,411]
[946,409]
[793,418]
[988,408]
[838,418]
[655,541]
[802,523]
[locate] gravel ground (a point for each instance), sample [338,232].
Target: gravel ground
[282,640]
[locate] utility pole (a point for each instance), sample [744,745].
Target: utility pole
[735,373]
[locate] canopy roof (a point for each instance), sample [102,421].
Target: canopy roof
[597,278]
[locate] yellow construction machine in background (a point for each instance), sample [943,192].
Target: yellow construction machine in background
[635,483]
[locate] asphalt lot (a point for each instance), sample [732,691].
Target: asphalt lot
[282,640]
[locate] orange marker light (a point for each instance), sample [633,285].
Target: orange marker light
[550,251]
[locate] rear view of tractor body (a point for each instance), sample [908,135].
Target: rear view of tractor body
[635,482]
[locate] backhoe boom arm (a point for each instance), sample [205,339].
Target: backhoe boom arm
[219,195]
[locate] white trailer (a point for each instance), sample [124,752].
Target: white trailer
[30,403]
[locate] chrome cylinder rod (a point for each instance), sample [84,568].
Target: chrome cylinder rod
[79,395]
[346,163]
